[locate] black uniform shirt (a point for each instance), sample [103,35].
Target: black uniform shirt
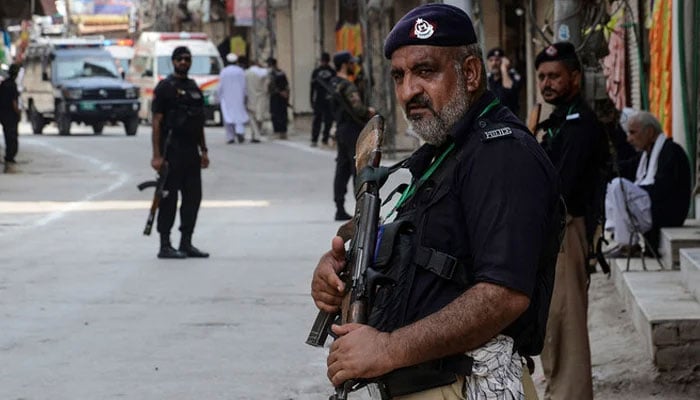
[508,97]
[574,141]
[8,95]
[182,104]
[319,96]
[492,215]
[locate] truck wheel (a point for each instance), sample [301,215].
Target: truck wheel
[97,127]
[131,125]
[63,121]
[37,122]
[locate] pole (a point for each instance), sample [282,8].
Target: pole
[567,21]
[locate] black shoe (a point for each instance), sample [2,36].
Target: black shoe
[254,141]
[341,215]
[170,252]
[193,252]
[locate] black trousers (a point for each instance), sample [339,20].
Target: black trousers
[9,130]
[346,137]
[322,115]
[184,176]
[278,113]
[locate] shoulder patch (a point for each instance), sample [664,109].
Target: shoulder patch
[496,133]
[572,117]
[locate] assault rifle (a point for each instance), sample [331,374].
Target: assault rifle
[160,191]
[340,99]
[359,279]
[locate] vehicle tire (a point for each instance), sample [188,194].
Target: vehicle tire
[63,121]
[131,125]
[37,121]
[97,127]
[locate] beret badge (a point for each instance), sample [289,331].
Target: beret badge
[423,29]
[551,51]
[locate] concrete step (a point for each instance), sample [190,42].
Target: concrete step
[673,239]
[690,270]
[663,311]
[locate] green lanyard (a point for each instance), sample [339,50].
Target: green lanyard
[415,185]
[555,133]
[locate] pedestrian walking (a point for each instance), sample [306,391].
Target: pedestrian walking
[279,98]
[258,103]
[350,116]
[178,141]
[466,247]
[575,142]
[232,94]
[321,100]
[10,116]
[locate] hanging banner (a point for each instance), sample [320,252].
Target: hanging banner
[660,70]
[91,7]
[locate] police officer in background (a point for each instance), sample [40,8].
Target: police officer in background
[178,140]
[351,114]
[466,248]
[320,100]
[503,81]
[575,142]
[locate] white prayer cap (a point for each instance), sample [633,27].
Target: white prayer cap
[232,58]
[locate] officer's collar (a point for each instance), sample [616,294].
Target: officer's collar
[561,111]
[462,128]
[421,158]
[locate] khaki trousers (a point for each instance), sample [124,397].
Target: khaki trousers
[566,357]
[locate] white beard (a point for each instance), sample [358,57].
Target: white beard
[435,130]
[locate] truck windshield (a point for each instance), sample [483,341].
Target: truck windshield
[85,67]
[201,65]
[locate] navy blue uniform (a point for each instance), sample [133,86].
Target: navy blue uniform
[182,104]
[508,97]
[320,101]
[9,118]
[491,216]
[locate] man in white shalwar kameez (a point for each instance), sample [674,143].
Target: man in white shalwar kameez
[257,84]
[232,94]
[659,195]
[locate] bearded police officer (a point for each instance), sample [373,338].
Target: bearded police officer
[466,247]
[575,142]
[178,140]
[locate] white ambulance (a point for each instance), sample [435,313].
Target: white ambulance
[152,63]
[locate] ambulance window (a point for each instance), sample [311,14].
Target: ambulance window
[140,65]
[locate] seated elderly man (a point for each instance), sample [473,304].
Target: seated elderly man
[660,194]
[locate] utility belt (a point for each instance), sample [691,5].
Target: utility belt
[424,376]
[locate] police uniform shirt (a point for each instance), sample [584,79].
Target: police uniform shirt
[8,95]
[574,142]
[319,96]
[182,104]
[492,215]
[508,97]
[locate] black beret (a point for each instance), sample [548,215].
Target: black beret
[495,52]
[433,24]
[559,51]
[343,57]
[180,51]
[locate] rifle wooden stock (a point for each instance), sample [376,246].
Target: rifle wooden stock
[159,184]
[534,118]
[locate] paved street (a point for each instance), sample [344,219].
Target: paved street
[88,311]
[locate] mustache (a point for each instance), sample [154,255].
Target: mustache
[420,101]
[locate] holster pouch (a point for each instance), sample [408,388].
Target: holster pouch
[424,376]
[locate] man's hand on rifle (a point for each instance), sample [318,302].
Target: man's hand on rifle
[360,351]
[327,289]
[157,163]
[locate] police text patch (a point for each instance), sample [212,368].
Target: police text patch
[496,133]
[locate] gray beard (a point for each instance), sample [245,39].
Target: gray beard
[436,130]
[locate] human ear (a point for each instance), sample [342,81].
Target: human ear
[472,68]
